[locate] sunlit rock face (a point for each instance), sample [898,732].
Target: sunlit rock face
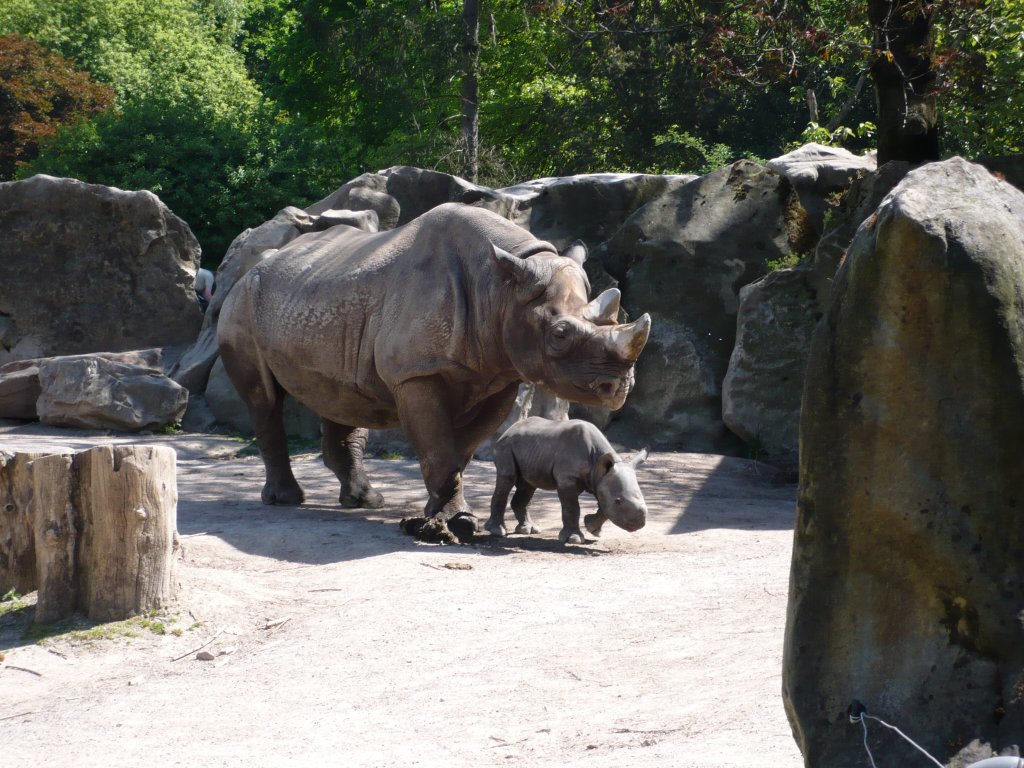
[907,580]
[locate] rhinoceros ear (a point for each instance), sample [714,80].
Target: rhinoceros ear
[523,271]
[604,310]
[577,252]
[638,458]
[604,466]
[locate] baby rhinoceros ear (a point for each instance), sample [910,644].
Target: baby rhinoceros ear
[604,466]
[639,458]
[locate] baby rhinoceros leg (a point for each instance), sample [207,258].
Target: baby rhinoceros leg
[594,522]
[570,499]
[499,499]
[521,507]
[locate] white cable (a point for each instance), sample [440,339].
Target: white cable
[866,747]
[909,740]
[1018,762]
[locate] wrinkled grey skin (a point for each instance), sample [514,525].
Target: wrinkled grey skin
[430,326]
[570,457]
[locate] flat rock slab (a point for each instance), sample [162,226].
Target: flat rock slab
[657,648]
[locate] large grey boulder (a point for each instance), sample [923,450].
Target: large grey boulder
[684,257]
[589,207]
[907,579]
[399,194]
[764,383]
[818,172]
[19,390]
[865,194]
[92,392]
[86,268]
[20,386]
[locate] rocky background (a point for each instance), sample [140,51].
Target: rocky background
[872,318]
[735,268]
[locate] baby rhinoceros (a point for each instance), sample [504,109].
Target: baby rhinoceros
[570,457]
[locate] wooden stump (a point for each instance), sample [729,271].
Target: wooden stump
[17,540]
[128,501]
[95,531]
[56,525]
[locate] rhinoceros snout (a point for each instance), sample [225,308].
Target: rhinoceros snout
[613,390]
[635,522]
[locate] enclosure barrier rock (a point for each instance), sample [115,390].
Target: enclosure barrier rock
[907,578]
[93,531]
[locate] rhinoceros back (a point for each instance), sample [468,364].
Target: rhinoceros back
[342,317]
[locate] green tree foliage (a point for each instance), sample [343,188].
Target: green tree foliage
[980,61]
[162,51]
[189,123]
[40,91]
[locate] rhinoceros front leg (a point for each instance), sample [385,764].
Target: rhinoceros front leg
[428,424]
[594,522]
[343,448]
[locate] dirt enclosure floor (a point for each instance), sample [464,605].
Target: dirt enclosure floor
[338,641]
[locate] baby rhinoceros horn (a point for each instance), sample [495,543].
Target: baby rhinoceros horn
[628,340]
[638,458]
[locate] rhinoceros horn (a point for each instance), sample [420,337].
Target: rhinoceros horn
[628,340]
[605,308]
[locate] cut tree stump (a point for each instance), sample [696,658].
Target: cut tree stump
[102,529]
[128,499]
[17,540]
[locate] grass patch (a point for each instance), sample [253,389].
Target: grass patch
[785,262]
[12,602]
[80,631]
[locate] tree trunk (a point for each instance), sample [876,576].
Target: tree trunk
[470,89]
[903,75]
[95,531]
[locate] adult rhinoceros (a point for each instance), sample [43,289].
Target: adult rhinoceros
[430,326]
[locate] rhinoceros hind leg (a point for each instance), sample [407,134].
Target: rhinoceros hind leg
[343,448]
[283,494]
[264,398]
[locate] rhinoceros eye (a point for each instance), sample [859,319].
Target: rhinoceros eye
[560,337]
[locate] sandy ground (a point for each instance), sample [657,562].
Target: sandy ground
[659,648]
